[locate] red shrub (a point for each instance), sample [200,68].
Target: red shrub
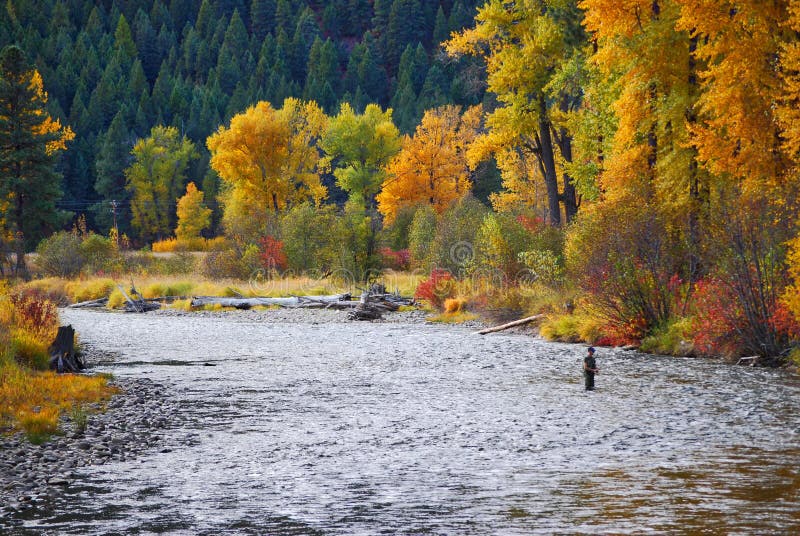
[272,255]
[717,318]
[785,323]
[437,288]
[531,224]
[35,313]
[396,260]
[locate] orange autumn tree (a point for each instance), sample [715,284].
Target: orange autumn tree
[268,160]
[737,136]
[788,109]
[652,65]
[431,168]
[788,112]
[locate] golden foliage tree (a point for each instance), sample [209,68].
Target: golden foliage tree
[193,215]
[431,168]
[531,50]
[737,136]
[268,159]
[788,110]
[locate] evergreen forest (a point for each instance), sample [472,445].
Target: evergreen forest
[113,70]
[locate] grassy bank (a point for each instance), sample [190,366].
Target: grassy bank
[33,399]
[65,291]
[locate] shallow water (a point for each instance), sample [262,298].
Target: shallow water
[359,428]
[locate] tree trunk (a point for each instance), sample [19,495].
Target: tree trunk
[21,269]
[549,164]
[246,303]
[568,196]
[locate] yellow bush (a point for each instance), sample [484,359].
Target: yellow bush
[52,287]
[93,289]
[182,305]
[115,299]
[29,350]
[153,290]
[564,328]
[455,305]
[171,245]
[38,424]
[453,318]
[165,246]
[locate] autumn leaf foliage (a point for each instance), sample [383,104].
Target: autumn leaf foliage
[193,215]
[431,168]
[269,158]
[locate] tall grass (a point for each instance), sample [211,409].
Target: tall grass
[32,400]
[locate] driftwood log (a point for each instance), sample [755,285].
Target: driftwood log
[137,303]
[374,302]
[63,357]
[520,322]
[102,302]
[337,300]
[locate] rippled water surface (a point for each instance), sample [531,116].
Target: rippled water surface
[358,428]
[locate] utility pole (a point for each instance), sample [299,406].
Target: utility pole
[114,206]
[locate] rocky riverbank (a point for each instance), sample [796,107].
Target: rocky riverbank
[130,424]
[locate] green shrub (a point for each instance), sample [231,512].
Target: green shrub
[225,264]
[421,233]
[139,262]
[454,245]
[60,255]
[179,263]
[500,241]
[670,339]
[308,240]
[100,253]
[396,236]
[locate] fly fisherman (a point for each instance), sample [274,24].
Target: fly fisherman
[589,369]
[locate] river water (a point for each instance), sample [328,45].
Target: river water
[392,428]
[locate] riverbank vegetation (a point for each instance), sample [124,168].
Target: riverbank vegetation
[33,399]
[630,171]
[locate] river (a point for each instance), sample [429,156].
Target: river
[393,428]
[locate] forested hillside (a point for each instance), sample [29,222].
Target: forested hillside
[114,70]
[647,152]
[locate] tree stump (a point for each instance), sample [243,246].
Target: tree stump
[62,352]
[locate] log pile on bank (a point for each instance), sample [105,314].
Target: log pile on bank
[371,305]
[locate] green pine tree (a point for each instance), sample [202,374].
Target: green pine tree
[28,141]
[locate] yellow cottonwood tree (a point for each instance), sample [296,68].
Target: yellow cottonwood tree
[193,215]
[653,66]
[529,48]
[788,110]
[432,166]
[737,136]
[268,158]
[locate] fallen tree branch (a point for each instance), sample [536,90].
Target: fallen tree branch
[519,322]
